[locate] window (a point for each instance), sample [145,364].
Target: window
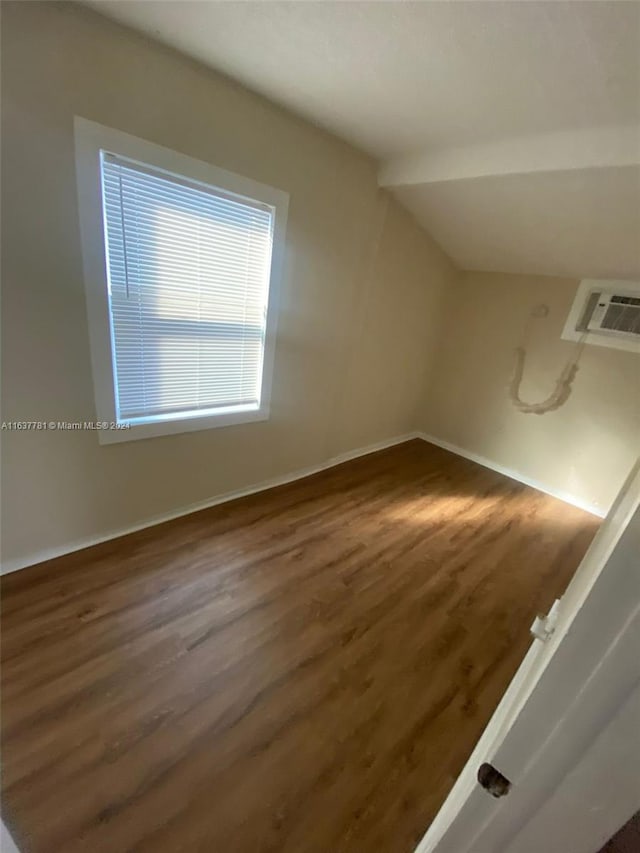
[182,263]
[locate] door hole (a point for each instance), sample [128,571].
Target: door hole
[493,781]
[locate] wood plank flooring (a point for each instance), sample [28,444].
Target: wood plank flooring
[301,671]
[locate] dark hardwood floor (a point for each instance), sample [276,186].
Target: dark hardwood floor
[302,671]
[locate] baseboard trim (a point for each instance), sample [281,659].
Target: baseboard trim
[514,475]
[18,563]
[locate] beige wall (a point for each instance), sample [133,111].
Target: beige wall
[587,447]
[366,297]
[360,298]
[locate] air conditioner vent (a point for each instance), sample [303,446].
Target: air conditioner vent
[606,313]
[622,314]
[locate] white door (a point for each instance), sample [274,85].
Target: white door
[570,690]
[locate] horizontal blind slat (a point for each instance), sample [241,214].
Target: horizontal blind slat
[188,284]
[149,173]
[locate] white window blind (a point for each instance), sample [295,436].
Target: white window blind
[188,273]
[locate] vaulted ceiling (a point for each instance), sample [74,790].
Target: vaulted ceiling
[510,129]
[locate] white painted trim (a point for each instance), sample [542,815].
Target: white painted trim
[514,475]
[50,553]
[590,148]
[502,718]
[91,140]
[604,571]
[612,755]
[7,844]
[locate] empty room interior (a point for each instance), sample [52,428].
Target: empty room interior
[320,412]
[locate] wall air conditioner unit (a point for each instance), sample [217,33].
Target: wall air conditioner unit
[606,313]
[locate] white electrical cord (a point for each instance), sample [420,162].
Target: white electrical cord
[562,389]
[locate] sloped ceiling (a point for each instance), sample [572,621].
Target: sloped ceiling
[510,129]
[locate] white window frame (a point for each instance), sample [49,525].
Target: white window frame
[90,140]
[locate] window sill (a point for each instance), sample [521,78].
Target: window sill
[140,429]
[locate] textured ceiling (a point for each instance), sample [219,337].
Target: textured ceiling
[576,223]
[422,79]
[398,76]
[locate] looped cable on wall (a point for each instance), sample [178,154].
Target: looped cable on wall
[563,385]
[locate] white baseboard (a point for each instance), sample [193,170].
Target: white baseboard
[514,475]
[50,553]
